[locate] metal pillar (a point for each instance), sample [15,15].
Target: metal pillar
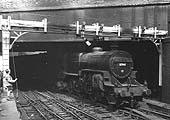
[5,49]
[160,64]
[19,27]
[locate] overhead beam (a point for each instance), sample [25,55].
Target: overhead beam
[8,6]
[16,54]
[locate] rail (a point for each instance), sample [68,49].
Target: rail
[46,113]
[71,109]
[59,106]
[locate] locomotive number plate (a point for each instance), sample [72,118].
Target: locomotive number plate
[122,64]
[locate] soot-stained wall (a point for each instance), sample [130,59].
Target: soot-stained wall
[166,71]
[27,5]
[127,17]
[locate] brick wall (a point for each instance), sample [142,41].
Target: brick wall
[26,5]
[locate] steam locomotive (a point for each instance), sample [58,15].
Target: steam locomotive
[107,75]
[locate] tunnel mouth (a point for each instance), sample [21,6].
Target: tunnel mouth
[30,71]
[41,71]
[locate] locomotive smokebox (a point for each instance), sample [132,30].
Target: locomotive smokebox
[118,62]
[166,71]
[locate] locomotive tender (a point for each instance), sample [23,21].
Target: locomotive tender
[104,74]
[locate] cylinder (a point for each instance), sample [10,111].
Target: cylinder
[166,70]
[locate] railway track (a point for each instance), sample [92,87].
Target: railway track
[101,112]
[157,108]
[74,111]
[27,110]
[50,109]
[44,111]
[154,112]
[50,106]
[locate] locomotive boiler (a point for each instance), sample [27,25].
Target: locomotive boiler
[104,75]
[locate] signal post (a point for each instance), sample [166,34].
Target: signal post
[19,28]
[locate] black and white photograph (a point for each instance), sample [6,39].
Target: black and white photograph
[84,60]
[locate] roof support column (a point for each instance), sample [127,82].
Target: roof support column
[160,64]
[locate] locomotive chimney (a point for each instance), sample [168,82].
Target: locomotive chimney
[97,49]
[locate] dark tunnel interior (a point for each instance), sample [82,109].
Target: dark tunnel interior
[41,71]
[30,71]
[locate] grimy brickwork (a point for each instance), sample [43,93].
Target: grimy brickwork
[27,5]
